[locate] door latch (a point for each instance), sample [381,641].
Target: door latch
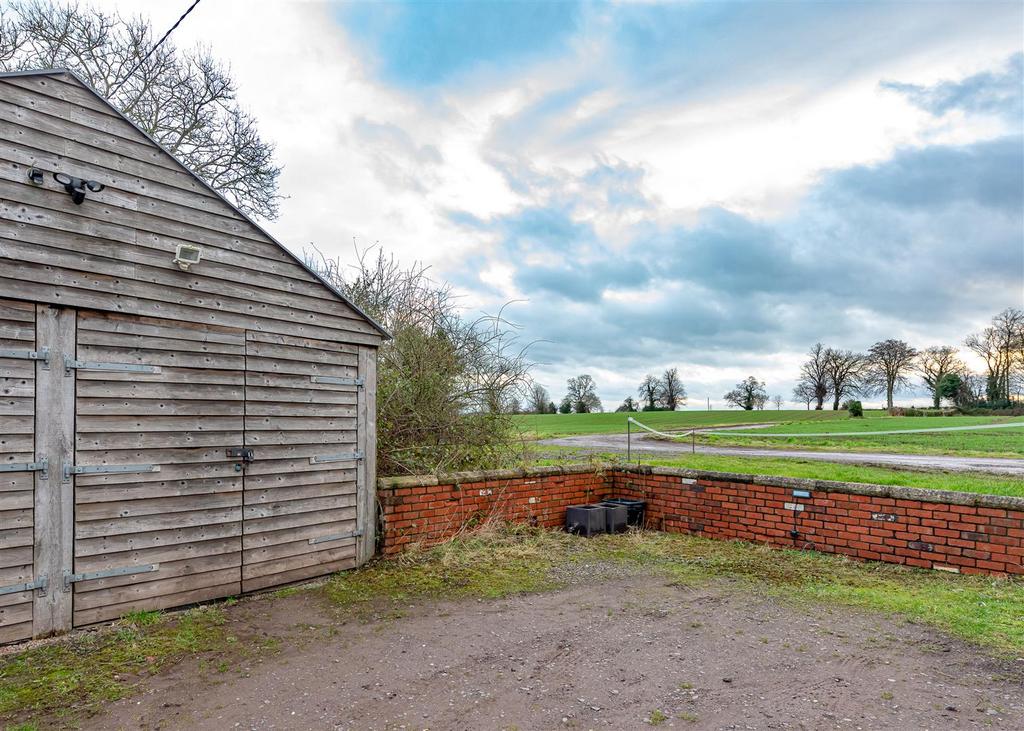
[243,454]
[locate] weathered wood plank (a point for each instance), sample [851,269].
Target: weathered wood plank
[143,490]
[150,523]
[161,554]
[141,507]
[186,536]
[158,423]
[367,487]
[166,601]
[88,442]
[54,499]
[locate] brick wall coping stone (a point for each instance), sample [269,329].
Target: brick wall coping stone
[951,497]
[461,478]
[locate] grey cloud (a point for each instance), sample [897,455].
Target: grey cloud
[989,92]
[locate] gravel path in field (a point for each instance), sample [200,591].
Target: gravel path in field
[647,445]
[610,653]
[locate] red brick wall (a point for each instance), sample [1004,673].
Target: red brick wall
[429,510]
[946,530]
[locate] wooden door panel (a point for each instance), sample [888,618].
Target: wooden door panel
[179,524]
[300,513]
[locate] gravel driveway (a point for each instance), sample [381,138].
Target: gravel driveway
[617,653]
[648,445]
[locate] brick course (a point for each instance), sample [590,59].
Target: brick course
[963,532]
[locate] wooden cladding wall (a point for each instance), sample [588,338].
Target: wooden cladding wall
[115,251]
[185,520]
[17,446]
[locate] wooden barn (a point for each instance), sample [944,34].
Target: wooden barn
[186,410]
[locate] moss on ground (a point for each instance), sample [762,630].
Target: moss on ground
[74,677]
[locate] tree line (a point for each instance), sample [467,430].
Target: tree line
[836,376]
[889,366]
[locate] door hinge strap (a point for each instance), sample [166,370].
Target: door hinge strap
[42,466]
[337,380]
[105,469]
[88,365]
[335,537]
[42,354]
[70,578]
[341,457]
[39,585]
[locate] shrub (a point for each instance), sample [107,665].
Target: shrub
[856,408]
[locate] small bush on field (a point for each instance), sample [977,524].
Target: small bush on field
[856,409]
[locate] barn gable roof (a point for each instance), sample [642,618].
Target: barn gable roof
[78,80]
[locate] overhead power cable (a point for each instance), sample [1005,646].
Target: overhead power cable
[156,45]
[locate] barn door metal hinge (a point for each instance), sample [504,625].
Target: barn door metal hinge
[42,467]
[43,354]
[335,537]
[337,380]
[103,469]
[70,578]
[71,364]
[39,585]
[341,457]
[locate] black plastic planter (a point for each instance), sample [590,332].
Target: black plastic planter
[635,510]
[616,517]
[585,520]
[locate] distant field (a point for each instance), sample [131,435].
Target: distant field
[1007,442]
[543,426]
[809,469]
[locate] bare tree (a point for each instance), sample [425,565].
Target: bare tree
[446,383]
[845,370]
[628,405]
[671,392]
[815,374]
[186,100]
[748,394]
[648,391]
[777,401]
[934,363]
[887,368]
[999,345]
[538,399]
[805,393]
[582,392]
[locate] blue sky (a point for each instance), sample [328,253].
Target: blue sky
[712,186]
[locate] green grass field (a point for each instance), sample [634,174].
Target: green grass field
[544,426]
[1007,442]
[804,468]
[982,443]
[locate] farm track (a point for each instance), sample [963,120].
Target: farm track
[648,446]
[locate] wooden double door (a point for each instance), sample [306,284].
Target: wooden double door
[148,463]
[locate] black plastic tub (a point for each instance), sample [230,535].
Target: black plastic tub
[616,517]
[586,520]
[635,509]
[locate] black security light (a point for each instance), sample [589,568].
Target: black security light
[76,187]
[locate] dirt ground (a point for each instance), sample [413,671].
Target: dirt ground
[618,653]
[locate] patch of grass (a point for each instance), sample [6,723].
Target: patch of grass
[656,718]
[501,561]
[820,470]
[77,676]
[488,564]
